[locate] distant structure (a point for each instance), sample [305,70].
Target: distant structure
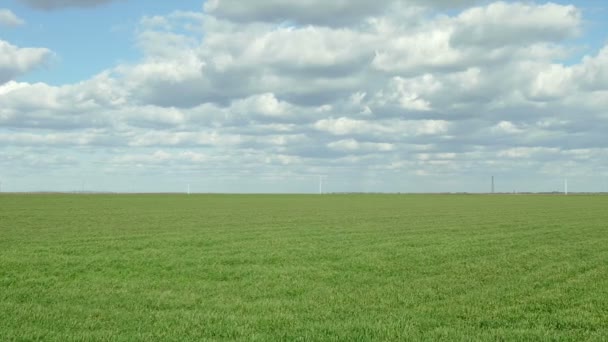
[321,184]
[566,186]
[492,184]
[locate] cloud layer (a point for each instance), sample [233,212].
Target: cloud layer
[318,12]
[264,96]
[58,4]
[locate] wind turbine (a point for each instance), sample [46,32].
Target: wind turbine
[321,184]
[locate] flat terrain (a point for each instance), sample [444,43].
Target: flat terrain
[297,267]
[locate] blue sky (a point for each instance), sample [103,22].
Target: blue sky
[86,41]
[394,96]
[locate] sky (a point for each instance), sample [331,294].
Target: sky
[271,96]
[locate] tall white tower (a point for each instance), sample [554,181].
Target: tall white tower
[320,185]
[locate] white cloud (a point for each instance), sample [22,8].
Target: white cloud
[501,24]
[409,93]
[554,82]
[8,18]
[352,145]
[89,137]
[488,35]
[264,104]
[346,126]
[506,127]
[161,138]
[277,88]
[15,61]
[527,152]
[594,71]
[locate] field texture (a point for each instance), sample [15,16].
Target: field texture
[332,267]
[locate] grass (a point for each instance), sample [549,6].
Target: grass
[309,268]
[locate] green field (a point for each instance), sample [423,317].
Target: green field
[309,268]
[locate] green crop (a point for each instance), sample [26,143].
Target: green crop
[303,267]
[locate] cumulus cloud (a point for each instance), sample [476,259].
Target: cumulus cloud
[277,88]
[594,71]
[15,61]
[352,145]
[346,126]
[491,35]
[8,18]
[502,24]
